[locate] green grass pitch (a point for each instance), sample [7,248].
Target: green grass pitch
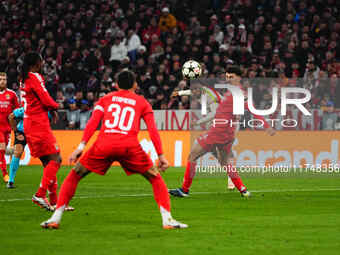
[116,214]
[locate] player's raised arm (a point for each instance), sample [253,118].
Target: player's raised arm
[181,93]
[91,127]
[38,87]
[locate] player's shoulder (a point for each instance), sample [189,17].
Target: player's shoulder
[235,89]
[142,103]
[140,98]
[12,92]
[135,99]
[107,97]
[37,76]
[105,100]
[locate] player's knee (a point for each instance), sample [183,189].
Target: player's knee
[17,154]
[192,157]
[57,158]
[81,170]
[229,160]
[222,158]
[152,173]
[18,150]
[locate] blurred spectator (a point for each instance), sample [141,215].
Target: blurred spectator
[166,21]
[90,99]
[93,83]
[84,114]
[133,43]
[151,29]
[118,52]
[79,96]
[72,114]
[61,99]
[66,75]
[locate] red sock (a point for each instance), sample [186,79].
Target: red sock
[189,175]
[52,188]
[48,178]
[68,188]
[3,162]
[235,178]
[160,192]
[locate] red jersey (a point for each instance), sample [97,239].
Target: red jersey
[121,113]
[224,129]
[35,98]
[8,102]
[224,111]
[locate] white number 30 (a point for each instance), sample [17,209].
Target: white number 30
[119,117]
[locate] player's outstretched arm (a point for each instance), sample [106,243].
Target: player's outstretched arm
[186,92]
[91,127]
[177,93]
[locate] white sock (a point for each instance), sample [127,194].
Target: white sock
[166,215]
[230,183]
[58,213]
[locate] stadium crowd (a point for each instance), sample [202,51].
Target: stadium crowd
[86,42]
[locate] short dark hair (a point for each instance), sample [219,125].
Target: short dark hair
[126,79]
[235,70]
[30,60]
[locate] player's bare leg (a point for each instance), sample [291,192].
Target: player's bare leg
[226,159]
[9,151]
[3,162]
[67,191]
[230,184]
[162,198]
[196,152]
[18,151]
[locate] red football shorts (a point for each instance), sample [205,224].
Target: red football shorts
[40,138]
[102,154]
[209,142]
[4,137]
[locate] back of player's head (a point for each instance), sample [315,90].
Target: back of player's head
[234,70]
[31,59]
[126,79]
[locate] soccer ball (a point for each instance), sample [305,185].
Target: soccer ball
[191,69]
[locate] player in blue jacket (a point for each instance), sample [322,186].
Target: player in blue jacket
[16,120]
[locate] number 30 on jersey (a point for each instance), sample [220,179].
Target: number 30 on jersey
[119,117]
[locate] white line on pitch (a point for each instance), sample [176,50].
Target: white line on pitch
[200,193]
